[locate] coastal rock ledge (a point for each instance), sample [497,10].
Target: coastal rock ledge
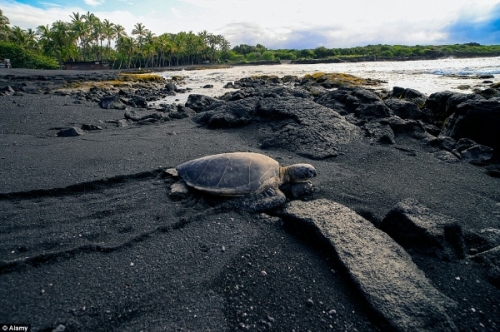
[385,274]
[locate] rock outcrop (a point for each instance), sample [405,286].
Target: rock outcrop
[297,123]
[418,228]
[478,120]
[381,268]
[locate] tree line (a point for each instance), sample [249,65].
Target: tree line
[85,37]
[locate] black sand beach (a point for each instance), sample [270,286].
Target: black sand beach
[91,241]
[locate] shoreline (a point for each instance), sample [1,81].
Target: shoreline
[26,71]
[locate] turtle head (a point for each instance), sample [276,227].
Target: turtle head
[300,172]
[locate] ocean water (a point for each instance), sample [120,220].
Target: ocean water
[426,76]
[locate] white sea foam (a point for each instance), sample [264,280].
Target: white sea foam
[427,76]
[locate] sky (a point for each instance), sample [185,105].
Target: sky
[291,24]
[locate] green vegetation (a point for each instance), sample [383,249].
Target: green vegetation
[87,38]
[21,57]
[395,52]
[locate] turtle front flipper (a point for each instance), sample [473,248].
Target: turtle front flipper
[266,200]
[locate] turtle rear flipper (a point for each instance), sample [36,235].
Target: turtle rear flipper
[266,200]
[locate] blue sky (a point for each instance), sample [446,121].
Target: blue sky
[294,24]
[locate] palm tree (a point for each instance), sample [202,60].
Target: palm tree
[108,32]
[93,27]
[149,52]
[119,31]
[179,45]
[192,48]
[45,39]
[225,46]
[150,46]
[204,38]
[31,39]
[18,36]
[4,27]
[80,28]
[166,44]
[141,33]
[212,43]
[126,46]
[63,41]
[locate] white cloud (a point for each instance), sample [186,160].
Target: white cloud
[26,16]
[176,12]
[93,3]
[280,23]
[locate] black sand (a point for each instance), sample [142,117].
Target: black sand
[90,240]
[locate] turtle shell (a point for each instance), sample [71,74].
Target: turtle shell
[231,174]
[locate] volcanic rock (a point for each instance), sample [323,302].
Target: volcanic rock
[297,124]
[417,97]
[90,127]
[199,102]
[70,132]
[478,120]
[379,132]
[491,259]
[482,240]
[382,270]
[406,109]
[112,102]
[346,100]
[418,228]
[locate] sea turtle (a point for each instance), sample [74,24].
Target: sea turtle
[253,175]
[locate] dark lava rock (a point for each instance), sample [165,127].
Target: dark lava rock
[266,92]
[489,93]
[383,272]
[7,91]
[375,110]
[90,127]
[295,124]
[491,259]
[170,87]
[346,100]
[406,109]
[146,117]
[410,128]
[181,112]
[112,102]
[444,142]
[138,101]
[418,228]
[482,240]
[417,97]
[477,154]
[306,127]
[199,102]
[443,104]
[485,76]
[478,120]
[232,114]
[70,132]
[463,144]
[381,133]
